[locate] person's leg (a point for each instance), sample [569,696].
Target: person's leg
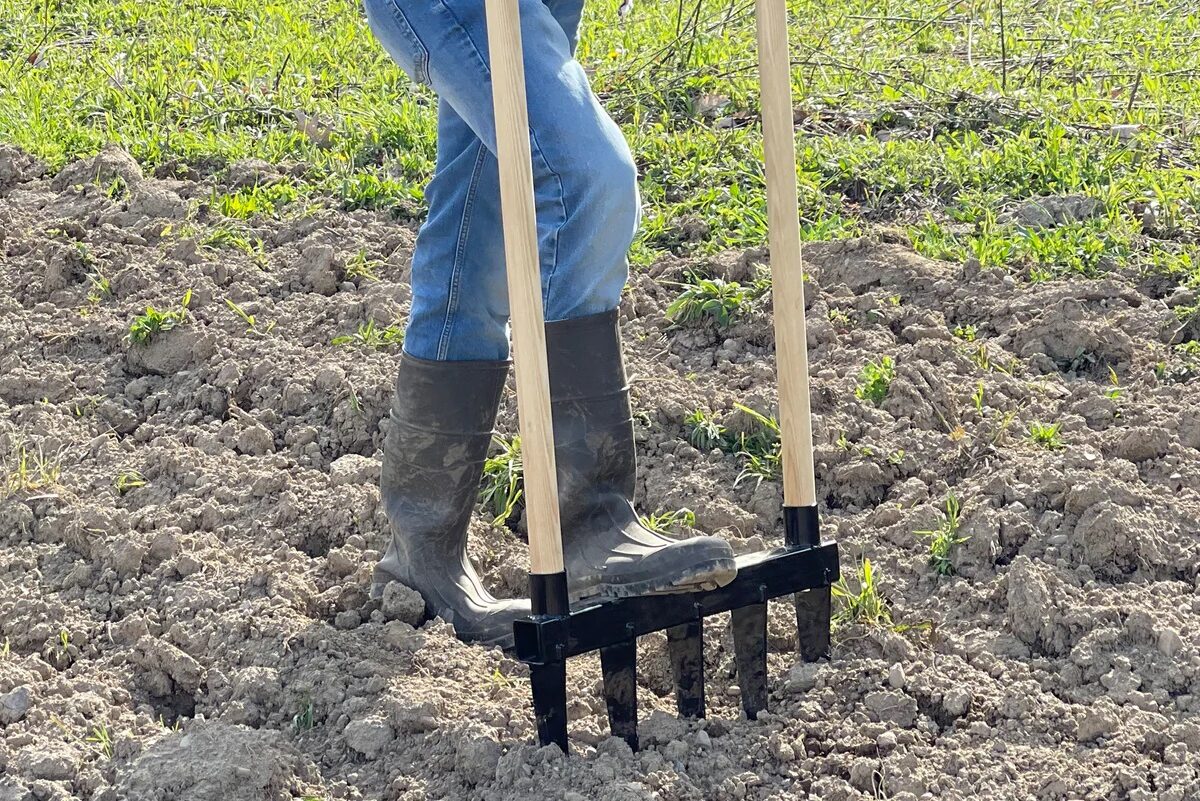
[585,180]
[587,213]
[460,297]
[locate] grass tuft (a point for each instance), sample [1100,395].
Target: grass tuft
[875,380]
[503,480]
[863,605]
[944,538]
[669,521]
[154,322]
[713,298]
[1046,435]
[26,470]
[370,336]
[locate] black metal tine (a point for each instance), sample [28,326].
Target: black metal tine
[686,644]
[750,650]
[619,665]
[814,609]
[549,685]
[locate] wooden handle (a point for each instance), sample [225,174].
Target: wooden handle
[787,276]
[524,285]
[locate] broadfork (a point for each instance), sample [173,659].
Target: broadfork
[805,567]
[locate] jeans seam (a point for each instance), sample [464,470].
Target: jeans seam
[464,227]
[562,202]
[483,62]
[421,66]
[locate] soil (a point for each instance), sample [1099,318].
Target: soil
[207,634]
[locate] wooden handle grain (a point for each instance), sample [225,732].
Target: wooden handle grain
[787,276]
[524,285]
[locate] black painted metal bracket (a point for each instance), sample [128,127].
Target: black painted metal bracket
[804,567]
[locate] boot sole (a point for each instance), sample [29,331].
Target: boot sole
[699,578]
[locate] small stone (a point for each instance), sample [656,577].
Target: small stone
[896,677]
[676,750]
[347,620]
[354,469]
[895,708]
[862,774]
[702,739]
[369,736]
[403,603]
[885,742]
[782,751]
[477,760]
[1097,722]
[1169,642]
[956,701]
[802,677]
[14,705]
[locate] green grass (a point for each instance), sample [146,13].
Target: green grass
[250,320]
[1183,364]
[1046,435]
[29,470]
[931,117]
[359,267]
[861,603]
[255,200]
[714,299]
[101,738]
[153,322]
[704,431]
[503,480]
[945,538]
[760,448]
[304,720]
[875,380]
[128,481]
[668,521]
[372,336]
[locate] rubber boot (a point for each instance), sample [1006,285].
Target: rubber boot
[442,419]
[608,552]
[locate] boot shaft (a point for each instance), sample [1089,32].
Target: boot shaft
[441,427]
[593,421]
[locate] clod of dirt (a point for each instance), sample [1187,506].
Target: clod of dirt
[403,603]
[110,164]
[246,173]
[54,762]
[167,666]
[1099,721]
[170,352]
[11,791]
[17,166]
[1055,210]
[215,762]
[354,469]
[369,736]
[316,269]
[14,705]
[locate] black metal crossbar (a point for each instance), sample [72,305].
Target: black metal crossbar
[545,642]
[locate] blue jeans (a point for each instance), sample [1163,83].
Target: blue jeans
[585,181]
